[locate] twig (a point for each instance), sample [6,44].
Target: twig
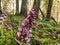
[17,41]
[42,13]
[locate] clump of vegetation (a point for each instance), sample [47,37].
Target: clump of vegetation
[8,37]
[45,33]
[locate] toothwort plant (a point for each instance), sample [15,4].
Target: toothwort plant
[25,33]
[3,17]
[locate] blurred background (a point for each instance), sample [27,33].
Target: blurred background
[14,6]
[46,29]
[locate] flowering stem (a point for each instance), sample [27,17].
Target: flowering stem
[25,33]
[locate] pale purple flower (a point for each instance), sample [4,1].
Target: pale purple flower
[30,35]
[28,40]
[1,22]
[2,18]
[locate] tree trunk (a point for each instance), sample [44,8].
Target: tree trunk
[48,16]
[24,8]
[36,5]
[0,4]
[17,6]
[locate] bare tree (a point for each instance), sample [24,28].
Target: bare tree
[36,5]
[0,4]
[48,16]
[17,6]
[24,8]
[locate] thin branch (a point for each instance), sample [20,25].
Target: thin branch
[42,13]
[17,41]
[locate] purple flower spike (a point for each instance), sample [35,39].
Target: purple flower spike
[25,32]
[2,19]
